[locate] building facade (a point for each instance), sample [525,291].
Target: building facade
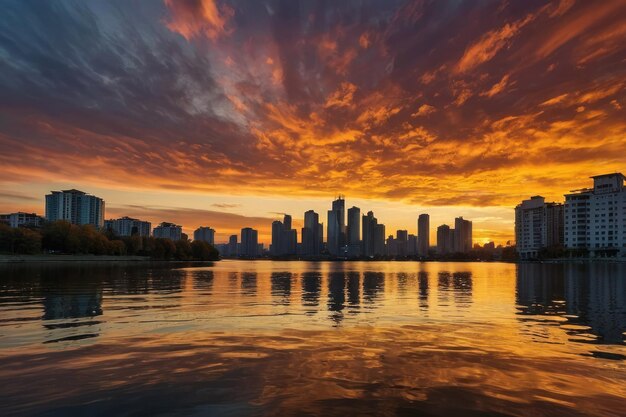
[249,243]
[353,232]
[462,235]
[595,218]
[75,207]
[423,234]
[21,219]
[445,239]
[311,234]
[204,234]
[127,226]
[168,231]
[538,225]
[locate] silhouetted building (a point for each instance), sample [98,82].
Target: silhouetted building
[336,227]
[233,246]
[369,223]
[423,234]
[204,234]
[311,237]
[412,246]
[276,248]
[354,232]
[462,235]
[538,225]
[595,218]
[168,231]
[401,241]
[21,219]
[284,238]
[249,243]
[445,239]
[127,226]
[379,240]
[75,207]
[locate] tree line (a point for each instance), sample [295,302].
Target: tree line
[66,238]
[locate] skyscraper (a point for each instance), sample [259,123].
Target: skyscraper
[276,248]
[233,247]
[333,233]
[423,234]
[402,240]
[249,243]
[462,235]
[204,234]
[311,239]
[353,232]
[369,223]
[379,240]
[290,237]
[445,239]
[337,227]
[75,207]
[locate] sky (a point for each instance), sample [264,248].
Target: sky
[229,113]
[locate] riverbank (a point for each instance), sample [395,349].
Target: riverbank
[11,259]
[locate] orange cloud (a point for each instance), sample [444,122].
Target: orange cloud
[424,110]
[498,87]
[490,44]
[199,17]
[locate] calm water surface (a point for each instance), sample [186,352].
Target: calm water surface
[300,338]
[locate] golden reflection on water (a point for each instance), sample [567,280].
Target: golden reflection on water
[297,338]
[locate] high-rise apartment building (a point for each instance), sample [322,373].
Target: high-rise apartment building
[369,223]
[204,234]
[249,243]
[337,227]
[284,238]
[379,240]
[538,225]
[21,219]
[311,236]
[462,235]
[75,207]
[595,218]
[445,239]
[353,232]
[168,231]
[127,226]
[423,234]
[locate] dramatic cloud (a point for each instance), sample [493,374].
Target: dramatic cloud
[424,103]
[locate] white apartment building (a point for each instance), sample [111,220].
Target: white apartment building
[168,231]
[595,218]
[75,207]
[538,225]
[127,226]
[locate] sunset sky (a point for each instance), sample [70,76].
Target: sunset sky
[227,113]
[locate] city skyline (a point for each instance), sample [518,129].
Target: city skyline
[443,108]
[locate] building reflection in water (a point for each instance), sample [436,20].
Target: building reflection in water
[462,283]
[592,298]
[203,281]
[373,286]
[422,281]
[336,295]
[248,283]
[354,292]
[281,287]
[311,288]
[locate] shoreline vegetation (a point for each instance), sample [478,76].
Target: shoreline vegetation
[61,238]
